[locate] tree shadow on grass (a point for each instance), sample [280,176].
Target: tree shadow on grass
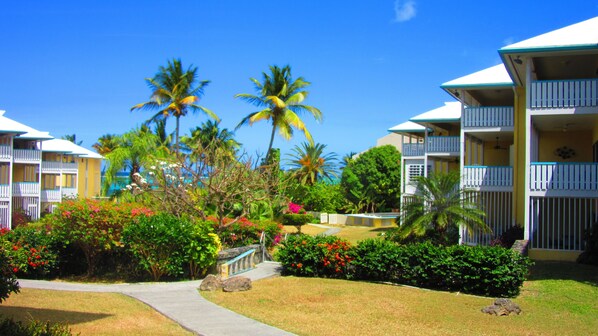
[53,315]
[560,270]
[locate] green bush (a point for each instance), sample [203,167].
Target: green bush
[8,326]
[8,279]
[33,251]
[166,245]
[244,232]
[296,220]
[490,271]
[92,226]
[319,256]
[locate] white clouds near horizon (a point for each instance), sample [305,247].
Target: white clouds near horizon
[404,10]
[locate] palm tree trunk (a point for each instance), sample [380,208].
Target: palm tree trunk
[176,135]
[269,152]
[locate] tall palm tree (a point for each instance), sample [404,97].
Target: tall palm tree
[309,163]
[106,144]
[209,134]
[280,99]
[175,92]
[439,205]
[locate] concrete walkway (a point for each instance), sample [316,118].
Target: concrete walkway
[181,302]
[330,231]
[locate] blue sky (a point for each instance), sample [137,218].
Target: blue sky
[78,66]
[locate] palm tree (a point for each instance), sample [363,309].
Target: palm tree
[280,99]
[72,138]
[309,163]
[440,205]
[346,159]
[175,92]
[209,134]
[106,144]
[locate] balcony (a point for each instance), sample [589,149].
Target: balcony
[443,144]
[30,189]
[496,178]
[495,116]
[27,155]
[564,93]
[57,167]
[413,149]
[564,178]
[51,195]
[5,152]
[4,191]
[69,192]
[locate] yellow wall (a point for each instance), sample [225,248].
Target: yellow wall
[595,133]
[519,147]
[553,255]
[90,168]
[496,157]
[580,141]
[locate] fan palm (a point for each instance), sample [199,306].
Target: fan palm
[280,99]
[439,205]
[209,134]
[309,163]
[175,92]
[106,144]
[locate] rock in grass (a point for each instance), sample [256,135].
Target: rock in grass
[502,307]
[211,283]
[236,284]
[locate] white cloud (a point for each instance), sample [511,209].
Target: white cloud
[404,10]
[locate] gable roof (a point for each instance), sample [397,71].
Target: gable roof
[67,147]
[407,127]
[490,77]
[22,131]
[451,111]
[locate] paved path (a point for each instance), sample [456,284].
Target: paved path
[330,231]
[181,302]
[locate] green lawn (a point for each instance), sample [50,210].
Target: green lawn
[558,299]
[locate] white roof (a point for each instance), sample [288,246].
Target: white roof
[582,34]
[493,76]
[65,146]
[407,127]
[8,125]
[449,112]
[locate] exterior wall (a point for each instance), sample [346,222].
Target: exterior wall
[553,255]
[496,157]
[580,141]
[519,147]
[89,180]
[391,139]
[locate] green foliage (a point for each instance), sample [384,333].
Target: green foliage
[165,245]
[372,182]
[94,227]
[8,279]
[321,197]
[296,219]
[439,206]
[244,232]
[315,256]
[8,326]
[489,271]
[308,163]
[33,251]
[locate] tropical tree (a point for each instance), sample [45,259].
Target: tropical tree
[175,92]
[309,163]
[72,138]
[209,134]
[280,99]
[106,144]
[440,206]
[346,159]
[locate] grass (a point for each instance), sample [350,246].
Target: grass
[308,229]
[90,313]
[559,299]
[355,234]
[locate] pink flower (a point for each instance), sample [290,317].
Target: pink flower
[294,208]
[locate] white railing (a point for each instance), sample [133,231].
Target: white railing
[5,152]
[4,190]
[487,176]
[69,192]
[563,176]
[70,166]
[443,144]
[4,215]
[27,155]
[58,166]
[498,206]
[564,93]
[490,116]
[413,149]
[25,189]
[51,195]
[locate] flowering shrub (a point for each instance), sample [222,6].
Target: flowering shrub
[296,216]
[31,251]
[295,208]
[244,232]
[93,226]
[319,256]
[8,279]
[165,245]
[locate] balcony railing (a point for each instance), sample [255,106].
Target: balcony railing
[27,155]
[487,176]
[4,191]
[5,152]
[563,176]
[69,192]
[25,189]
[564,93]
[413,149]
[57,166]
[443,144]
[51,195]
[491,116]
